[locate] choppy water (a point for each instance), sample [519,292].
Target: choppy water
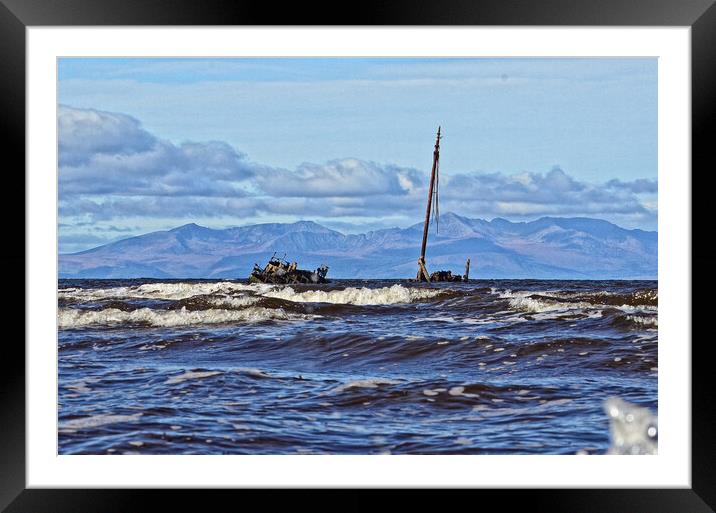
[352,367]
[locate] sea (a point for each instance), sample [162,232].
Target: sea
[351,367]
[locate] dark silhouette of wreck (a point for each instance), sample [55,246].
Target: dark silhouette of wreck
[279,271]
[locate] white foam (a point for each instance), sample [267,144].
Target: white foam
[190,375]
[95,421]
[647,321]
[456,390]
[78,386]
[356,296]
[250,371]
[638,309]
[73,318]
[180,290]
[643,295]
[366,383]
[524,302]
[234,301]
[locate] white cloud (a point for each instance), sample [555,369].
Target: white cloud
[111,154]
[85,133]
[111,169]
[551,193]
[340,178]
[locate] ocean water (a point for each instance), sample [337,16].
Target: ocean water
[350,367]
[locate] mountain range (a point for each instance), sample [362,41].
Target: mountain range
[547,248]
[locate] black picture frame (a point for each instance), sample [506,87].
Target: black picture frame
[17,15]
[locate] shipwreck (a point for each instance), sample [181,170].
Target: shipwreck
[279,271]
[423,274]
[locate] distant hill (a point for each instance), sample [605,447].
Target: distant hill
[550,247]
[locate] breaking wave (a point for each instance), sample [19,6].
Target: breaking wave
[174,291]
[639,321]
[551,302]
[534,303]
[234,302]
[356,296]
[178,291]
[184,366]
[75,318]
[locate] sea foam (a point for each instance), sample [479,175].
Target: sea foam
[74,318]
[236,295]
[234,301]
[525,301]
[356,296]
[94,421]
[645,320]
[366,383]
[180,290]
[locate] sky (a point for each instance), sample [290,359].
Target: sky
[149,144]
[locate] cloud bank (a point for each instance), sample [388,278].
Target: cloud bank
[112,170]
[551,193]
[103,153]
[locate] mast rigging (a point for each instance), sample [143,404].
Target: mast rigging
[434,208]
[422,272]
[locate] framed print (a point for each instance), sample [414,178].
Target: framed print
[452,249]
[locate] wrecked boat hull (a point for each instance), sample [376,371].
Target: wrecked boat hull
[282,273]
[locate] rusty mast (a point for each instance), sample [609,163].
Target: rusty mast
[422,272]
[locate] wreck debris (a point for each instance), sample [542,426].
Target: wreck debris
[423,274]
[279,271]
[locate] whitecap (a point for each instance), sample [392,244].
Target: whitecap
[234,301]
[525,301]
[356,296]
[644,320]
[179,290]
[74,318]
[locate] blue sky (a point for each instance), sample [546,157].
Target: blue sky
[152,143]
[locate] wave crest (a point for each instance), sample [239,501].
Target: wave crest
[356,296]
[540,302]
[181,290]
[74,318]
[530,302]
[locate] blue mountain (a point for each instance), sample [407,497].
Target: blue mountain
[549,247]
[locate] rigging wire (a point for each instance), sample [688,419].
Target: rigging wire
[436,206]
